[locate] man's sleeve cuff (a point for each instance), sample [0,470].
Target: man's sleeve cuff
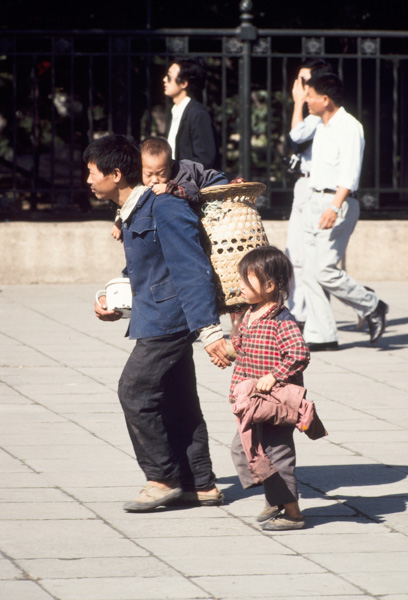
[210,334]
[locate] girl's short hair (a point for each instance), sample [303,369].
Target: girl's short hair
[268,263]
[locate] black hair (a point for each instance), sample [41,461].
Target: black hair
[329,85]
[155,146]
[194,73]
[112,152]
[317,66]
[268,263]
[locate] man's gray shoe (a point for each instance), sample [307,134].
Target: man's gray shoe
[283,523]
[269,512]
[376,321]
[152,497]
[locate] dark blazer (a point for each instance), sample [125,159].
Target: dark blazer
[195,138]
[170,276]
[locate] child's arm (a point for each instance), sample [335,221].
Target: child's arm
[170,188]
[295,355]
[159,188]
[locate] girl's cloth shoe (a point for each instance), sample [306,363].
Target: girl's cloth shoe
[152,497]
[269,512]
[282,523]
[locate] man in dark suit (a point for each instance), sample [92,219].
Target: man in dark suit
[190,131]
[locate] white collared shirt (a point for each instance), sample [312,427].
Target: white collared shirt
[303,132]
[337,153]
[176,114]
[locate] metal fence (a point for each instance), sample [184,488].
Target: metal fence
[60,89]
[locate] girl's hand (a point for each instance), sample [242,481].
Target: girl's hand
[266,383]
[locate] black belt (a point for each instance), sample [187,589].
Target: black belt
[328,191]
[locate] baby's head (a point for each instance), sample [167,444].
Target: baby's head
[156,161]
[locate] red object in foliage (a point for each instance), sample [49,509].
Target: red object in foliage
[43,67]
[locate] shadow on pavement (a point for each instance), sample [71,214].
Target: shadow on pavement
[323,481]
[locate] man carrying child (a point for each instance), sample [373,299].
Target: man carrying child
[173,300]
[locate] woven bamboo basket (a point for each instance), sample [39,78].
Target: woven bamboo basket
[232,228]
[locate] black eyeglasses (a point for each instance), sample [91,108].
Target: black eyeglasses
[170,78]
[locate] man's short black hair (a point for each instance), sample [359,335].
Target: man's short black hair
[112,152]
[329,85]
[193,72]
[317,66]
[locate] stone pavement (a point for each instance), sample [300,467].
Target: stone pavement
[67,467]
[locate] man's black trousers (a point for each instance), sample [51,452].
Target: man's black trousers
[158,393]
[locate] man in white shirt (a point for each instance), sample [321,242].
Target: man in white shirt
[301,137]
[330,218]
[190,132]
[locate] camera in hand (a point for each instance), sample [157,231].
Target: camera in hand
[292,163]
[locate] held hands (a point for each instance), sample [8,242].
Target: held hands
[266,383]
[218,353]
[102,312]
[159,188]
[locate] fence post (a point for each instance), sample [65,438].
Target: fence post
[247,34]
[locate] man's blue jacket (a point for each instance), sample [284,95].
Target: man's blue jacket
[170,276]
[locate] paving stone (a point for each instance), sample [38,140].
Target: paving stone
[229,545]
[125,588]
[292,585]
[380,583]
[37,495]
[233,565]
[23,590]
[8,570]
[22,511]
[64,539]
[135,566]
[347,543]
[25,479]
[369,562]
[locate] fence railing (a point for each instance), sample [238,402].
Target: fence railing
[60,89]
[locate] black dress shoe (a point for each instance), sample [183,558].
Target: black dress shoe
[328,346]
[376,321]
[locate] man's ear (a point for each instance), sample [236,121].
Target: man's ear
[326,100]
[117,175]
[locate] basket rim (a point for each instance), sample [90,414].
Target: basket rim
[234,189]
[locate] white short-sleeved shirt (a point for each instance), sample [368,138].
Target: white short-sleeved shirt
[337,153]
[303,132]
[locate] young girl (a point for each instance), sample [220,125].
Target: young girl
[270,348]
